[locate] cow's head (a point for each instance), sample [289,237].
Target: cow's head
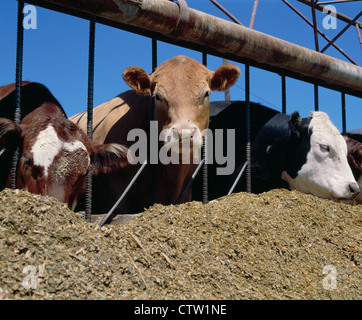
[318,163]
[56,155]
[181,89]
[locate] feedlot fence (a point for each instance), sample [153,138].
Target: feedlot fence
[175,23]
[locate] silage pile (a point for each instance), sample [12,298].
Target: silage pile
[270,246]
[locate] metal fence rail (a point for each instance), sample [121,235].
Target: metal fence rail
[216,36]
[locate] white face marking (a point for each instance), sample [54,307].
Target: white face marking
[326,173]
[48,145]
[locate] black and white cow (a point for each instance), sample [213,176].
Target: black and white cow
[309,154]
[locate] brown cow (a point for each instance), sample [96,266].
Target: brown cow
[33,95]
[181,89]
[55,155]
[355,161]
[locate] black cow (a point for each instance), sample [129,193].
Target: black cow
[306,154]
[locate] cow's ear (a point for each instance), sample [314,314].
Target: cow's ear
[109,157]
[10,134]
[295,124]
[224,77]
[138,80]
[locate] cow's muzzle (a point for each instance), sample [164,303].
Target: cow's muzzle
[183,138]
[354,190]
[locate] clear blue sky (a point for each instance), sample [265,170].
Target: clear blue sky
[56,54]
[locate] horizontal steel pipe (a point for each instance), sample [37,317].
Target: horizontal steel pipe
[224,38]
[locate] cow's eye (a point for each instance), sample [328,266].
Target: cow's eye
[206,95]
[27,162]
[157,97]
[324,147]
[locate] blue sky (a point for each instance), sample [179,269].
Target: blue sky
[56,54]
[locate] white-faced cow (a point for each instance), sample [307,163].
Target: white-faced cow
[355,162]
[181,90]
[309,154]
[55,155]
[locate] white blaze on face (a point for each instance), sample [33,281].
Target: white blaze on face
[48,145]
[326,172]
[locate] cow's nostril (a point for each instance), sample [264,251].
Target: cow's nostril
[183,131]
[354,188]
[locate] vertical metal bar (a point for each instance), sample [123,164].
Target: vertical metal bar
[248,122]
[153,166]
[284,95]
[343,100]
[18,80]
[91,53]
[315,26]
[316,98]
[205,190]
[253,14]
[154,54]
[227,91]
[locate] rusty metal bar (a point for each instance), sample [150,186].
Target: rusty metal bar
[343,31]
[359,36]
[315,27]
[221,38]
[218,5]
[320,32]
[338,15]
[252,19]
